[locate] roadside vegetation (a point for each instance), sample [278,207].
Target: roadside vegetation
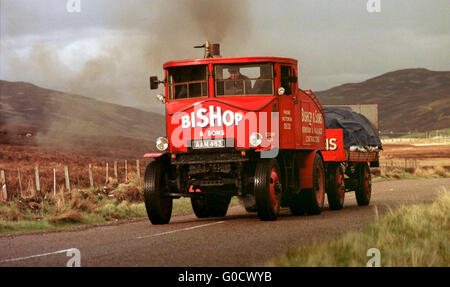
[65,210]
[392,173]
[414,235]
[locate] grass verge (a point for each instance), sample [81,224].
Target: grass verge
[412,236]
[80,208]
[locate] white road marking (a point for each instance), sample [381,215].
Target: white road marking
[37,255]
[179,230]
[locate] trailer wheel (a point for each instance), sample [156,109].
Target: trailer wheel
[267,189]
[199,206]
[335,187]
[363,191]
[159,209]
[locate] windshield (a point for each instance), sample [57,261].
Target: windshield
[188,82]
[244,79]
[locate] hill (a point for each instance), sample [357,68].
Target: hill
[413,100]
[31,115]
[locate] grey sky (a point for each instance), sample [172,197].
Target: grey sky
[109,49]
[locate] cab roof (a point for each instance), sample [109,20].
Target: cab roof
[235,60]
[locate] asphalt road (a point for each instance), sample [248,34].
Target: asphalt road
[239,239]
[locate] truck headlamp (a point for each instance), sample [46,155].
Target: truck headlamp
[162,143]
[255,139]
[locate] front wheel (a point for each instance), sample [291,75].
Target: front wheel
[159,208]
[267,189]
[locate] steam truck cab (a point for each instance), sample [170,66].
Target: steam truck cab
[237,127]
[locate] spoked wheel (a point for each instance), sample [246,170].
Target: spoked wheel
[159,208]
[335,187]
[364,190]
[267,189]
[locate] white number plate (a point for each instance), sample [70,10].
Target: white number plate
[200,144]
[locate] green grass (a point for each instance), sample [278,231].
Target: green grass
[415,235]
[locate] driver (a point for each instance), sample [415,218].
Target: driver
[235,83]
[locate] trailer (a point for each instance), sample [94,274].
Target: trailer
[242,127]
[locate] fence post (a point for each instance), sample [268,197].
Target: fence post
[91,179]
[66,174]
[115,171]
[107,177]
[4,192]
[126,171]
[20,182]
[54,182]
[36,173]
[138,168]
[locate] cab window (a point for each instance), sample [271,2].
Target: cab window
[188,82]
[244,79]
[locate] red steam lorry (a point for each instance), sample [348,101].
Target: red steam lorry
[242,127]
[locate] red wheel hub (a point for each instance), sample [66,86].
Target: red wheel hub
[319,188]
[275,190]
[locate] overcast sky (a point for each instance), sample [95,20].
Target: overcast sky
[109,48]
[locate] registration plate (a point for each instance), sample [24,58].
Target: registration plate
[201,144]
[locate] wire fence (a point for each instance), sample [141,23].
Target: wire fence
[23,182]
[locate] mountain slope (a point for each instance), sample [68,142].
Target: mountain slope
[409,100]
[33,115]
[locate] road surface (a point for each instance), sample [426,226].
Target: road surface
[239,239]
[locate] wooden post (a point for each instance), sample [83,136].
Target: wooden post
[115,171]
[107,177]
[66,174]
[54,182]
[38,185]
[4,193]
[138,169]
[91,179]
[20,182]
[126,172]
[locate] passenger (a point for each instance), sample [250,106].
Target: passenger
[263,84]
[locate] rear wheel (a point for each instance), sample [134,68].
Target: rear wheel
[363,191]
[218,205]
[335,187]
[312,199]
[159,208]
[199,206]
[267,189]
[210,205]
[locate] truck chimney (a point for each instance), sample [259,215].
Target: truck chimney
[211,50]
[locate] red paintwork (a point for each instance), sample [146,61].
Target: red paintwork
[335,147]
[339,154]
[301,124]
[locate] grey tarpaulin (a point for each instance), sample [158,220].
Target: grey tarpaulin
[357,129]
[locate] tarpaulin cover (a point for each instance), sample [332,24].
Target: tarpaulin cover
[357,129]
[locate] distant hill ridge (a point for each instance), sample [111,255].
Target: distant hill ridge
[409,99]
